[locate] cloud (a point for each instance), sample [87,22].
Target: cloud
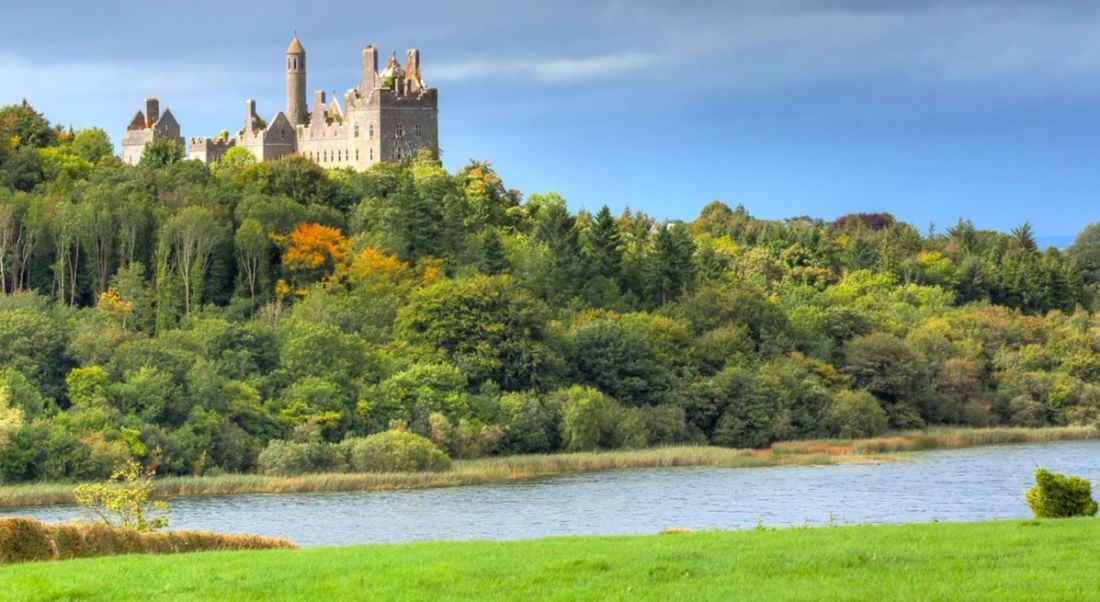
[546,71]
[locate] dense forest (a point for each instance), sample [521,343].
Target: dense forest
[253,316]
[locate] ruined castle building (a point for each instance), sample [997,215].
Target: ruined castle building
[296,82]
[145,127]
[388,116]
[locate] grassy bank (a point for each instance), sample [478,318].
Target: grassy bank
[1003,560]
[521,468]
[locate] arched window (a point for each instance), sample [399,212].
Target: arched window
[370,131]
[357,130]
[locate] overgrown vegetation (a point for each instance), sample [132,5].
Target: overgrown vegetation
[191,317]
[25,539]
[1017,560]
[1058,496]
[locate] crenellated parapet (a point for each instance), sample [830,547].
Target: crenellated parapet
[388,116]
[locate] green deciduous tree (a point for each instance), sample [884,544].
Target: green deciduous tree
[161,153]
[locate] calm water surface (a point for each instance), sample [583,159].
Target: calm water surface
[951,485]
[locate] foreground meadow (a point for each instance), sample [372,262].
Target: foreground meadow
[1001,560]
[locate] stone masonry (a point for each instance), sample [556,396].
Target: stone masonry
[388,116]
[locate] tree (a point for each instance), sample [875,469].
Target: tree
[557,229]
[26,126]
[92,144]
[856,414]
[621,362]
[253,249]
[589,418]
[160,153]
[733,410]
[671,270]
[302,180]
[493,261]
[884,365]
[486,326]
[1085,254]
[313,252]
[124,500]
[11,418]
[98,233]
[187,242]
[604,248]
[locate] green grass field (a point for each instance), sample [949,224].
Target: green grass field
[1002,560]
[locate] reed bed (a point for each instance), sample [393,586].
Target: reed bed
[522,468]
[934,438]
[26,539]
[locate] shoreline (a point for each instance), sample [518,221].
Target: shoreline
[485,471]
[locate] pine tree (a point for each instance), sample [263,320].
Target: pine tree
[605,253]
[493,261]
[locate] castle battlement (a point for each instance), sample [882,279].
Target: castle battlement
[388,116]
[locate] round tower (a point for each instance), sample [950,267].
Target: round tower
[296,110]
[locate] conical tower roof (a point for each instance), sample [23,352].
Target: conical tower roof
[295,46]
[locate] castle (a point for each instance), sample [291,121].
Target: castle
[388,116]
[147,125]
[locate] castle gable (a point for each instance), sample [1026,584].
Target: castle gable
[137,123]
[280,128]
[167,124]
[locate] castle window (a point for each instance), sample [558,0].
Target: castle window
[356,154]
[357,130]
[370,131]
[372,154]
[400,130]
[418,130]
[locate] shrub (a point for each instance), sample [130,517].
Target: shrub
[123,501]
[394,451]
[856,414]
[287,458]
[1058,496]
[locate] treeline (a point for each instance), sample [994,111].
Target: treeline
[194,317]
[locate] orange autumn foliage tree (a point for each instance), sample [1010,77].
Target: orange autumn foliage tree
[379,272]
[313,252]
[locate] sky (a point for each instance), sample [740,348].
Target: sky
[931,110]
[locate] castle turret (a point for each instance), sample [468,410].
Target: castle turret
[369,81]
[296,108]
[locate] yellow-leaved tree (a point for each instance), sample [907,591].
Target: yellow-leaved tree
[124,500]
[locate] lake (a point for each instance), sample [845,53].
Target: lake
[948,485]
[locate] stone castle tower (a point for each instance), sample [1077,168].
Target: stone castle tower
[296,108]
[388,116]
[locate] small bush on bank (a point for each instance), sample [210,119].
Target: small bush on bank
[394,451]
[1058,496]
[391,451]
[25,539]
